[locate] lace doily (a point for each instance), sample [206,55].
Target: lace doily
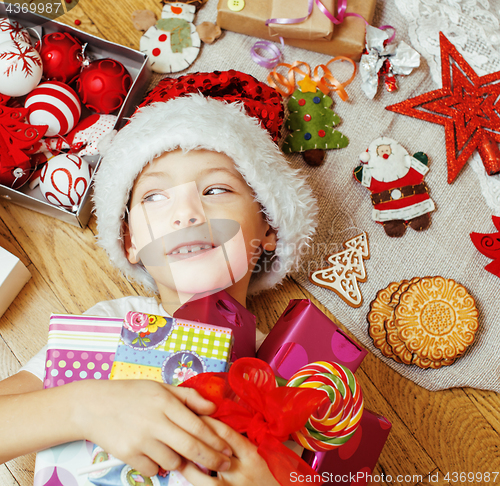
[474,29]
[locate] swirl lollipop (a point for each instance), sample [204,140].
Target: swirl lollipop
[334,423]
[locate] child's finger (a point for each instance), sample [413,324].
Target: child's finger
[195,476]
[189,421]
[190,439]
[192,399]
[240,445]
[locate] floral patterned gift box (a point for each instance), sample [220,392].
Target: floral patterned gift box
[169,350]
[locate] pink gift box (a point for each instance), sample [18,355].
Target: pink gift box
[304,334]
[353,462]
[80,348]
[222,310]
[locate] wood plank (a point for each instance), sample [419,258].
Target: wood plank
[6,477]
[25,324]
[445,423]
[77,270]
[22,468]
[9,364]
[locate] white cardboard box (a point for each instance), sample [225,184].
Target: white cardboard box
[13,277]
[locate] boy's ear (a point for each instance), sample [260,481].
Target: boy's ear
[270,240]
[128,244]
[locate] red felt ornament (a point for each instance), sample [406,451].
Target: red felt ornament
[62,56]
[467,107]
[489,245]
[18,141]
[103,85]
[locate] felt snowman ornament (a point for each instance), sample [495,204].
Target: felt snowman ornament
[173,43]
[399,195]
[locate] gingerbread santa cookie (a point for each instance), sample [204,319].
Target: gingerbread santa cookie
[400,197]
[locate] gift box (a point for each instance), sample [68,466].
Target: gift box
[78,348]
[13,277]
[169,350]
[348,37]
[136,64]
[357,457]
[304,334]
[316,27]
[222,310]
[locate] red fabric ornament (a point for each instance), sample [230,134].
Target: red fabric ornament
[465,105]
[18,141]
[61,55]
[260,100]
[249,401]
[489,245]
[103,85]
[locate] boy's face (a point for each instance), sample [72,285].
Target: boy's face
[195,226]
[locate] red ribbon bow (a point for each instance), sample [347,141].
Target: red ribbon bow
[249,401]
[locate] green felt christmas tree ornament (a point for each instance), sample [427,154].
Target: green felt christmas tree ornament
[312,124]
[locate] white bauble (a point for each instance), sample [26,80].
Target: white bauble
[64,180]
[20,68]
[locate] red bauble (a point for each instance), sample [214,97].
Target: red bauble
[62,56]
[103,85]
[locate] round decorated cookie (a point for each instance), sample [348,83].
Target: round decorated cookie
[437,319]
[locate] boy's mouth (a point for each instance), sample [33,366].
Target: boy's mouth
[189,250]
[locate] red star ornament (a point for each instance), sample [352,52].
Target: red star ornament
[468,107]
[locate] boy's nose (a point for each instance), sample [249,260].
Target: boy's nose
[188,209]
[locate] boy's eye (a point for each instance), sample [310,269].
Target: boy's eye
[155,197]
[213,191]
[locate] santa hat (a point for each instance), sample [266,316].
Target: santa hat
[227,112]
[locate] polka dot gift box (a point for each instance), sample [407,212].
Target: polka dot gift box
[80,348]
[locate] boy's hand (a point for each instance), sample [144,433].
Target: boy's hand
[248,468]
[148,424]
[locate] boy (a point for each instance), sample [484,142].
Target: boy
[196,153]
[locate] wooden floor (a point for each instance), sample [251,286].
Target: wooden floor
[454,432]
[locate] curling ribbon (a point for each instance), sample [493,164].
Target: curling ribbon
[341,13]
[267,62]
[325,83]
[336,421]
[249,401]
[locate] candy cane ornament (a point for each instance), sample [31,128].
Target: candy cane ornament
[334,423]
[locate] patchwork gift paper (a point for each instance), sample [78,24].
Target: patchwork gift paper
[169,350]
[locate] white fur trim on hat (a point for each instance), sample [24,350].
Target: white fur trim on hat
[196,122]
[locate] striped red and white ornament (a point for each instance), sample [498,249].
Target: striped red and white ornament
[54,104]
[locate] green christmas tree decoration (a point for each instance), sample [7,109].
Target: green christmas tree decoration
[311,124]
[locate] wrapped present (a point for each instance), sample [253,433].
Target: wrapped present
[13,277]
[222,310]
[348,37]
[357,457]
[316,26]
[169,350]
[304,334]
[79,348]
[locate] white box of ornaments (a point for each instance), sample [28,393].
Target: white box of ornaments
[76,85]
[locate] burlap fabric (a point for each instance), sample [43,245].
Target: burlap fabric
[345,208]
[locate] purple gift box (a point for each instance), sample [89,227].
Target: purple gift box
[222,310]
[353,462]
[304,334]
